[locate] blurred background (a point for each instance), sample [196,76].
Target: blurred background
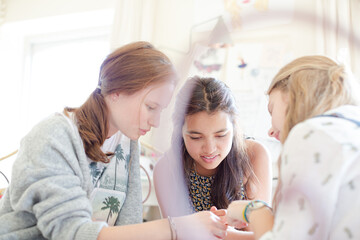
[51,51]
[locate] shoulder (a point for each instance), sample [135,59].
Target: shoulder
[321,130]
[55,124]
[54,132]
[335,129]
[52,145]
[257,152]
[312,140]
[261,165]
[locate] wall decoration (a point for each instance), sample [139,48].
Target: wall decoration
[254,14]
[210,62]
[249,69]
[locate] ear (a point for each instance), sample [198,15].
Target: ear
[114,96]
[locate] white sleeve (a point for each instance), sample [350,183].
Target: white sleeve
[170,186]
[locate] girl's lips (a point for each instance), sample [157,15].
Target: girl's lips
[143,132]
[209,159]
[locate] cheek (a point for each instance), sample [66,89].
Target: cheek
[226,145]
[142,115]
[273,122]
[192,147]
[278,120]
[274,118]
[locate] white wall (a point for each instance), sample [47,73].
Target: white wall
[19,10]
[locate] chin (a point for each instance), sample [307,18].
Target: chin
[132,136]
[135,138]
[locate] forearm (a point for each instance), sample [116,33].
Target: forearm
[261,221]
[233,234]
[159,229]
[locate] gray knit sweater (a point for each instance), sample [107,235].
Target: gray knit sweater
[48,196]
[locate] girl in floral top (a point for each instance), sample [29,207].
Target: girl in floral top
[219,164]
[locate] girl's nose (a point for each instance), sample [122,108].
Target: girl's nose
[209,146]
[271,132]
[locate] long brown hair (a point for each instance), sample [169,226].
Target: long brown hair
[314,85]
[126,70]
[211,95]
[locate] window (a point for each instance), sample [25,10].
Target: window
[61,73]
[47,64]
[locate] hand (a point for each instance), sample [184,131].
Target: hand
[201,225]
[220,213]
[234,216]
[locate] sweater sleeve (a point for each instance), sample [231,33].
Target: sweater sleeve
[49,182]
[131,212]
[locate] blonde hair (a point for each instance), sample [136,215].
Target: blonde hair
[314,85]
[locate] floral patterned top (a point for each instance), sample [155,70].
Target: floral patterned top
[200,191]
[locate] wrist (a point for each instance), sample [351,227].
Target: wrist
[254,206]
[172,228]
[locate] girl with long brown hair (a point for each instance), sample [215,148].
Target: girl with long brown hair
[219,165]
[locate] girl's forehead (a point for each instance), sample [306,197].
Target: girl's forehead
[208,121]
[159,93]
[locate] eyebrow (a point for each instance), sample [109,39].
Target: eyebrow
[220,131]
[155,103]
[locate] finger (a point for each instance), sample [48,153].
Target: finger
[243,224]
[233,222]
[218,219]
[213,209]
[220,225]
[239,224]
[221,212]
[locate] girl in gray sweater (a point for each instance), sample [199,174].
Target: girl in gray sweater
[77,173]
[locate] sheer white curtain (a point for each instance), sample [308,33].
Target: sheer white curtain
[339,33]
[134,21]
[2,11]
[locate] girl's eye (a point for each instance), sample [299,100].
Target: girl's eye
[150,108]
[195,138]
[221,136]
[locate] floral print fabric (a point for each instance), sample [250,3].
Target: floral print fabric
[200,191]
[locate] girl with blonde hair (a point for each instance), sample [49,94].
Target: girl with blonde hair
[316,117]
